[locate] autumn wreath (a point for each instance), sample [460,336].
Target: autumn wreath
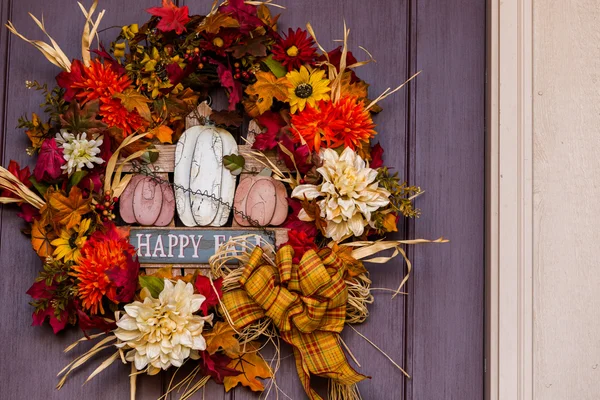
[127,138]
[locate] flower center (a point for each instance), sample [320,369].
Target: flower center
[218,42]
[304,90]
[292,51]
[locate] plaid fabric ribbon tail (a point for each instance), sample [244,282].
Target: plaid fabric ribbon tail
[307,303]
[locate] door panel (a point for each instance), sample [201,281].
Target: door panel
[432,134]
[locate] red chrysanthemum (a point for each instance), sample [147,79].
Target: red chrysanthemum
[345,123]
[295,50]
[101,255]
[100,81]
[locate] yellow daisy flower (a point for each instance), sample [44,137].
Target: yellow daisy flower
[70,241]
[307,87]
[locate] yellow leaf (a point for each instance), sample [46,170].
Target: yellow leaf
[267,87]
[213,23]
[162,133]
[132,99]
[389,223]
[68,210]
[222,337]
[41,239]
[164,272]
[252,366]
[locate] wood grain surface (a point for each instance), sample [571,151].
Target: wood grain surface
[436,331]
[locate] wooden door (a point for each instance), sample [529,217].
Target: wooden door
[433,134]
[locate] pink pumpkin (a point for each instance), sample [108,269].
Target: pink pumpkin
[262,199]
[147,202]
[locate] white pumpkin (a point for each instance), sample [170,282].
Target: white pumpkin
[199,167]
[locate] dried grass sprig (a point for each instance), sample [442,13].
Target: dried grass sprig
[11,183]
[53,53]
[90,30]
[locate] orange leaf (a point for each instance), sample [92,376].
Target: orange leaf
[222,337]
[213,23]
[164,272]
[162,133]
[132,99]
[359,89]
[267,87]
[390,223]
[68,210]
[252,366]
[41,239]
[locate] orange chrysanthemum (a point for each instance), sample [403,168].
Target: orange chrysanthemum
[99,81]
[102,253]
[345,123]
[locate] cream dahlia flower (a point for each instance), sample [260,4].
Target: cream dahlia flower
[347,196]
[163,332]
[79,151]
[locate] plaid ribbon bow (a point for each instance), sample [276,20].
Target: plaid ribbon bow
[306,301]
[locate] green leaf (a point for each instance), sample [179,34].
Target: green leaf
[275,67]
[76,178]
[80,120]
[40,187]
[153,284]
[150,156]
[235,163]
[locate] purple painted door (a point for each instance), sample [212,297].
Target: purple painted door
[433,133]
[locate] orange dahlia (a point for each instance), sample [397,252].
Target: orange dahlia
[345,123]
[101,254]
[100,81]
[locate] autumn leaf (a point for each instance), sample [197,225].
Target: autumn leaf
[213,23]
[80,120]
[172,18]
[390,222]
[353,266]
[50,161]
[252,366]
[204,287]
[264,14]
[222,337]
[227,118]
[164,272]
[350,88]
[41,239]
[162,133]
[267,87]
[68,210]
[255,47]
[133,100]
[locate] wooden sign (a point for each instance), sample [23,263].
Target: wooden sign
[187,246]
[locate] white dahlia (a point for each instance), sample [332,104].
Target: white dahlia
[347,196]
[79,151]
[163,332]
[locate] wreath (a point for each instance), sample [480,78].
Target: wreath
[129,139]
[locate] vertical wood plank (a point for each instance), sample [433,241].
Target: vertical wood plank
[446,292]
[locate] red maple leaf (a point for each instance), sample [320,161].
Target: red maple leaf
[301,155]
[244,13]
[234,88]
[39,290]
[87,322]
[376,156]
[272,122]
[28,212]
[66,79]
[204,287]
[216,366]
[21,174]
[125,279]
[49,161]
[172,18]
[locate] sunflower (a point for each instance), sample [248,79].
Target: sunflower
[307,87]
[345,123]
[70,241]
[102,253]
[295,50]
